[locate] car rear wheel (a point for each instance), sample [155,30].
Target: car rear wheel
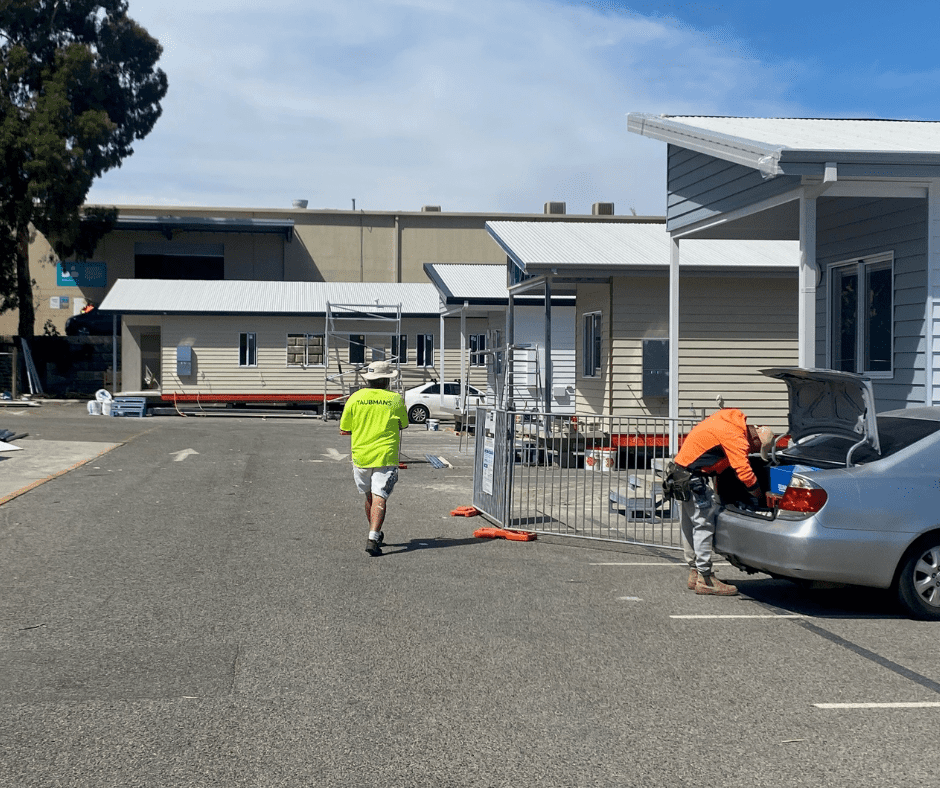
[919,580]
[418,414]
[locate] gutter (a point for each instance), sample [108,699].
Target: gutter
[757,156]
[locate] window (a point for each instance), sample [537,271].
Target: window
[357,348]
[248,349]
[304,350]
[400,348]
[861,316]
[591,345]
[425,346]
[477,346]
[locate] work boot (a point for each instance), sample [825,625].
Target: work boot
[693,577]
[709,584]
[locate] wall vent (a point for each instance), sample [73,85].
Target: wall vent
[602,209]
[554,207]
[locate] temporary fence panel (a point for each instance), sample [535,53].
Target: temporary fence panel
[492,468]
[595,477]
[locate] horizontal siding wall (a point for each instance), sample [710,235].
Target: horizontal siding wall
[591,394]
[215,350]
[854,228]
[729,328]
[702,186]
[530,329]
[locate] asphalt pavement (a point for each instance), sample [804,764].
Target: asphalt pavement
[187,602]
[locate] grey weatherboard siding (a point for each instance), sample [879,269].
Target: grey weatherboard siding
[853,228]
[702,186]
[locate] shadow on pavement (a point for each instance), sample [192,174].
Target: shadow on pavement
[839,602]
[429,544]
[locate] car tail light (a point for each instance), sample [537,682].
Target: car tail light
[802,495]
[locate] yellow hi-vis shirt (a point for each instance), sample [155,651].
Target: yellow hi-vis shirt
[375,417]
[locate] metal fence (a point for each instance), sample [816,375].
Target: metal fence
[594,477]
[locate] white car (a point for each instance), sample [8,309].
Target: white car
[425,402]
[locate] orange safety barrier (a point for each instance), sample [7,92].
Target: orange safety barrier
[504,533]
[465,511]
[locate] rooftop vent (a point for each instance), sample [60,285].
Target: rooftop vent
[430,208]
[554,207]
[300,203]
[602,209]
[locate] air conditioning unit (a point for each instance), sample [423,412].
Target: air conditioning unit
[602,209]
[554,207]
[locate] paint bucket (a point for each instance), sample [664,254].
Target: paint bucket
[601,458]
[94,408]
[106,408]
[433,425]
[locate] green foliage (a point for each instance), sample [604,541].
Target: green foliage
[78,85]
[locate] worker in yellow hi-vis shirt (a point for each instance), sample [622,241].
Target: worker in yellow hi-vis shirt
[375,417]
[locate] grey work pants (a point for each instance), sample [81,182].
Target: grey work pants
[698,519]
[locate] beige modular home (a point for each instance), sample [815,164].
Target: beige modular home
[738,315]
[242,342]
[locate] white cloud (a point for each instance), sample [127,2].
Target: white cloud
[490,105]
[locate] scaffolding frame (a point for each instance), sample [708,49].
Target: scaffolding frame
[371,321]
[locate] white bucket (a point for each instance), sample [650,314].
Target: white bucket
[433,425]
[94,408]
[106,408]
[601,458]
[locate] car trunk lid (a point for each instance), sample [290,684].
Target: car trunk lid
[827,402]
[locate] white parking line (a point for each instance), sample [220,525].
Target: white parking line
[650,563]
[913,705]
[743,615]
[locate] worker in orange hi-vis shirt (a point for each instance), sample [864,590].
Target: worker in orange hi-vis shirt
[716,443]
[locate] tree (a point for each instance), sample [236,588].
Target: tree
[78,85]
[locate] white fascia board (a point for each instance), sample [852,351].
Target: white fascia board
[765,158]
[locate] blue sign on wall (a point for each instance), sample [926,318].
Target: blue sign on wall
[88,274]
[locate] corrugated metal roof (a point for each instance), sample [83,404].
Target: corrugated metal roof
[767,144]
[252,297]
[822,134]
[469,281]
[611,247]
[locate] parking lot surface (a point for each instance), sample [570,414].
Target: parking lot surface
[187,602]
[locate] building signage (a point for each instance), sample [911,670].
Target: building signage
[87,274]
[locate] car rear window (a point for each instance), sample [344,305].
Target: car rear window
[894,434]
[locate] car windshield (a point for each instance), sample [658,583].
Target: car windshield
[895,433]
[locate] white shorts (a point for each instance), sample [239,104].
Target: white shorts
[378,481]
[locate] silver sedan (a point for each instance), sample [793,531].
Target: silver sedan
[853,499]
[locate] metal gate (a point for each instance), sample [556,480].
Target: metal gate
[587,476]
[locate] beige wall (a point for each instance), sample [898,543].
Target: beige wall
[215,343]
[729,328]
[327,245]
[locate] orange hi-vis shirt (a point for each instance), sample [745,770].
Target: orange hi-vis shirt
[718,442]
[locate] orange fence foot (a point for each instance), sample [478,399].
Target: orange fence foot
[465,511]
[504,533]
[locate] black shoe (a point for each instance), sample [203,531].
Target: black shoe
[381,539]
[373,548]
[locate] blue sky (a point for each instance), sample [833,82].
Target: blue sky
[492,105]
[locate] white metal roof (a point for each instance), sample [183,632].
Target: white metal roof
[765,143]
[148,296]
[614,247]
[825,134]
[470,281]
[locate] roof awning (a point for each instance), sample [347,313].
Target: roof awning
[167,225]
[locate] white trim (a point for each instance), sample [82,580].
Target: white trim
[860,264]
[673,381]
[872,188]
[933,286]
[740,213]
[809,269]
